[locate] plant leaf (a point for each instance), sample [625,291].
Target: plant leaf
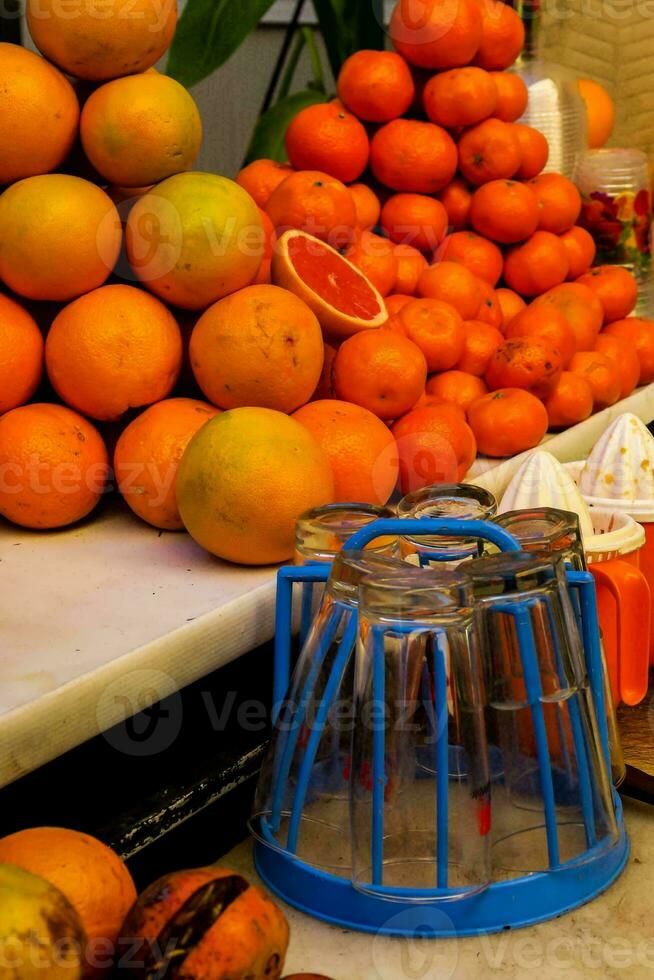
[368,26]
[331,17]
[208,33]
[268,137]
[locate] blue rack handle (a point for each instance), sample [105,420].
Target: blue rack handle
[432,527]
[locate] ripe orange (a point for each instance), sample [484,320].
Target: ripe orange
[21,355]
[547,322]
[375,257]
[325,387]
[503,36]
[615,288]
[259,347]
[414,219]
[359,447]
[481,342]
[489,151]
[437,329]
[367,206]
[536,265]
[435,445]
[113,349]
[316,203]
[456,198]
[261,177]
[512,96]
[569,402]
[507,422]
[59,237]
[480,256]
[624,355]
[244,480]
[534,151]
[528,362]
[410,265]
[342,298]
[328,138]
[381,371]
[436,33]
[559,202]
[395,302]
[580,246]
[510,304]
[54,465]
[457,388]
[505,211]
[97,45]
[147,455]
[40,110]
[376,86]
[410,155]
[600,111]
[489,310]
[602,375]
[581,310]
[268,235]
[460,97]
[159,125]
[454,284]
[641,333]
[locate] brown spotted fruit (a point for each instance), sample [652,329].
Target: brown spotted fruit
[204,924]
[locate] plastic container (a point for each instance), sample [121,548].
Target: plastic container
[542,481]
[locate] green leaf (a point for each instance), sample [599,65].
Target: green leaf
[208,33]
[331,14]
[368,25]
[268,137]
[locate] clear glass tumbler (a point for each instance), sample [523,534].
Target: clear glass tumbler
[447,500]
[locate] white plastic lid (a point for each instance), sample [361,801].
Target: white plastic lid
[615,534]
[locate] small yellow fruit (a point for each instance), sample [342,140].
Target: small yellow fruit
[600,112]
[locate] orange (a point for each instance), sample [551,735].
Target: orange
[97,45]
[316,203]
[261,347]
[536,265]
[244,480]
[534,151]
[559,202]
[624,355]
[435,445]
[92,877]
[159,125]
[147,457]
[460,97]
[367,206]
[376,86]
[268,235]
[342,298]
[21,355]
[395,302]
[615,288]
[327,137]
[457,388]
[456,198]
[503,36]
[570,401]
[436,33]
[489,151]
[547,322]
[263,276]
[504,211]
[414,219]
[410,265]
[602,375]
[381,371]
[580,246]
[410,155]
[507,422]
[477,254]
[510,304]
[481,342]
[529,362]
[511,95]
[375,257]
[325,387]
[600,111]
[489,310]
[59,237]
[194,238]
[359,447]
[641,333]
[40,110]
[454,284]
[261,177]
[54,465]
[115,348]
[437,329]
[580,308]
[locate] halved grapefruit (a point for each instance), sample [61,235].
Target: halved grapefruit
[342,298]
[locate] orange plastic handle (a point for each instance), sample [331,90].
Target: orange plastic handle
[633,601]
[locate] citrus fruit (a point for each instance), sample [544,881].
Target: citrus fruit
[528,362]
[460,97]
[261,177]
[437,329]
[581,310]
[456,198]
[316,203]
[410,266]
[395,302]
[325,388]
[481,341]
[244,480]
[624,355]
[507,422]
[569,402]
[435,445]
[502,36]
[536,265]
[328,138]
[457,388]
[374,256]
[640,332]
[600,111]
[580,246]
[411,155]
[505,211]
[367,206]
[376,86]
[454,284]
[260,347]
[141,129]
[59,237]
[381,371]
[195,238]
[489,151]
[40,110]
[358,446]
[480,256]
[602,375]
[534,151]
[547,322]
[113,349]
[414,219]
[511,96]
[99,44]
[436,33]
[510,305]
[342,298]
[559,202]
[489,310]
[615,288]
[21,355]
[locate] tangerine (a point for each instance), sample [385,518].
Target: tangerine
[529,362]
[507,422]
[460,97]
[512,96]
[21,355]
[624,355]
[489,151]
[456,198]
[479,255]
[454,284]
[569,402]
[410,265]
[410,155]
[261,177]
[435,445]
[481,342]
[534,151]
[640,332]
[547,322]
[376,86]
[316,203]
[559,202]
[457,388]
[436,33]
[580,308]
[414,219]
[536,265]
[375,257]
[510,304]
[502,37]
[602,375]
[367,206]
[328,138]
[615,287]
[580,246]
[437,329]
[505,211]
[381,371]
[600,111]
